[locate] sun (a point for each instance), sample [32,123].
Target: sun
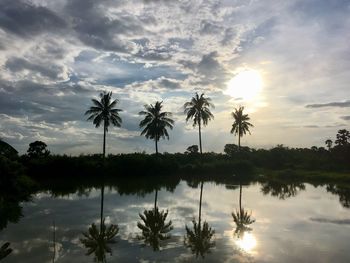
[246,85]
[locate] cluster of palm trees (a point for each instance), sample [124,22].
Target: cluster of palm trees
[156,122]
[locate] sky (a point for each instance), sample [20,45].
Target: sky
[286,62]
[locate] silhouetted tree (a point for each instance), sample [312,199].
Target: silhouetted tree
[97,240]
[154,226]
[103,112]
[242,218]
[38,149]
[155,123]
[198,110]
[199,238]
[193,149]
[240,125]
[329,143]
[7,150]
[5,250]
[343,137]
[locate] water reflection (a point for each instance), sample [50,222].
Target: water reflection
[198,239]
[282,190]
[5,250]
[154,226]
[97,240]
[342,191]
[242,219]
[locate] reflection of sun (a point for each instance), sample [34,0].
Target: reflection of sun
[247,242]
[245,85]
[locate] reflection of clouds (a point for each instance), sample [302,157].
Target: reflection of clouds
[298,219]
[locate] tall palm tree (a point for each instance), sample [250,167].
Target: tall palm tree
[156,122]
[154,226]
[198,110]
[104,112]
[199,238]
[329,143]
[242,218]
[240,125]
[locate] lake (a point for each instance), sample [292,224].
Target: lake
[256,222]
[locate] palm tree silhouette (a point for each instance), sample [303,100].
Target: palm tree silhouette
[5,250]
[198,110]
[329,143]
[199,238]
[97,240]
[156,122]
[154,226]
[240,125]
[242,218]
[104,112]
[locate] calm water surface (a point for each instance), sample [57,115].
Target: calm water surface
[271,223]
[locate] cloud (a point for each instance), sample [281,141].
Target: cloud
[346,118]
[330,104]
[332,221]
[16,64]
[25,19]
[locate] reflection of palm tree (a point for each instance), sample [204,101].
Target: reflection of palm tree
[97,240]
[156,123]
[198,110]
[242,218]
[5,250]
[154,228]
[240,125]
[198,239]
[104,111]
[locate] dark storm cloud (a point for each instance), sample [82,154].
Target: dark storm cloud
[25,20]
[330,104]
[16,64]
[95,29]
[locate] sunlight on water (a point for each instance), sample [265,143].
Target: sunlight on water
[247,242]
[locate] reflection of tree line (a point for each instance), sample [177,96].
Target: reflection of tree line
[155,229]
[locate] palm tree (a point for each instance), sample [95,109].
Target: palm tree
[198,110]
[240,125]
[156,122]
[199,238]
[154,226]
[242,218]
[329,143]
[104,112]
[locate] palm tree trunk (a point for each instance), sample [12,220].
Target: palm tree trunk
[200,137]
[200,205]
[156,141]
[240,197]
[104,139]
[102,201]
[155,200]
[239,142]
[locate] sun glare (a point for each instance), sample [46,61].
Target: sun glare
[247,242]
[246,85]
